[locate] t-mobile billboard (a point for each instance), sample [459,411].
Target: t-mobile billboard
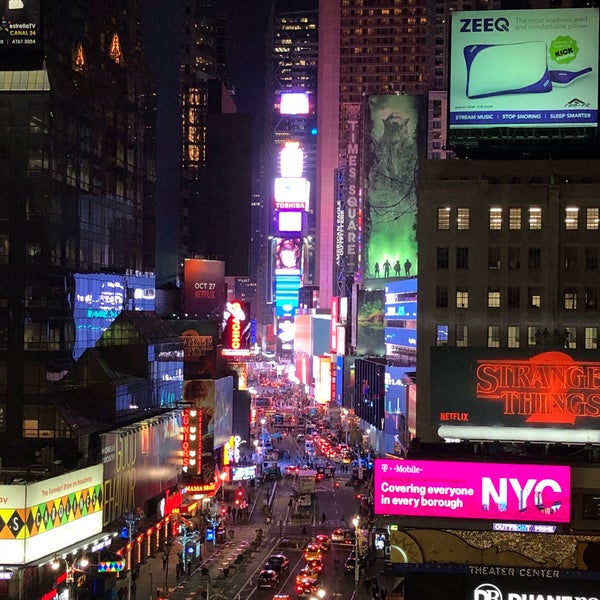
[466,490]
[524,68]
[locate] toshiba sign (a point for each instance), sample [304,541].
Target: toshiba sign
[468,490]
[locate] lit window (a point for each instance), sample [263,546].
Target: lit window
[513,334]
[534,337]
[493,336]
[493,298]
[495,217]
[569,337]
[592,218]
[462,335]
[591,338]
[443,218]
[462,298]
[462,218]
[79,58]
[535,217]
[514,218]
[441,336]
[570,299]
[571,217]
[535,298]
[115,51]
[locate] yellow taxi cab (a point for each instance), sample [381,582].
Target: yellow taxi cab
[312,551]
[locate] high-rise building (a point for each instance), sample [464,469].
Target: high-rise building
[76,200]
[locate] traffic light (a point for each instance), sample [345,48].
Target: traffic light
[190,549]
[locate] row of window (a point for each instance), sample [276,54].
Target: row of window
[497,218]
[572,298]
[573,257]
[515,336]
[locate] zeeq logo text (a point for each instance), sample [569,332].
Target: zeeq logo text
[487,24]
[509,492]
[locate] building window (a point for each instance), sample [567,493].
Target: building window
[514,257]
[535,298]
[591,338]
[592,218]
[494,254]
[442,258]
[534,258]
[591,299]
[591,257]
[514,218]
[493,298]
[569,337]
[462,298]
[462,258]
[493,335]
[570,299]
[462,335]
[513,334]
[462,218]
[535,217]
[571,258]
[495,217]
[534,337]
[571,217]
[443,218]
[441,335]
[513,296]
[115,51]
[441,296]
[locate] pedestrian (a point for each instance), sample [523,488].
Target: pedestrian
[407,266]
[323,519]
[397,268]
[376,269]
[164,559]
[177,570]
[386,268]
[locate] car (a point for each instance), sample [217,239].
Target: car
[350,564]
[312,551]
[291,470]
[323,540]
[267,578]
[345,536]
[315,564]
[281,597]
[278,563]
[307,587]
[306,573]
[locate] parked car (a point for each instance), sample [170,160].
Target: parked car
[267,578]
[278,563]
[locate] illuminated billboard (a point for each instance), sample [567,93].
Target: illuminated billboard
[292,192]
[20,25]
[534,395]
[294,103]
[470,490]
[236,328]
[42,518]
[524,68]
[291,160]
[289,221]
[390,199]
[204,287]
[288,256]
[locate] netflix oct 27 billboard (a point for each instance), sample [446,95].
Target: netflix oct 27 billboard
[532,389]
[469,490]
[204,287]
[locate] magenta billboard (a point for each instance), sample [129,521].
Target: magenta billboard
[467,490]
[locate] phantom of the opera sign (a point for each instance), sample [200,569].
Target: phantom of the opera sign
[481,387]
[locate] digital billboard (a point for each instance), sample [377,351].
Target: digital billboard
[294,103]
[20,24]
[390,201]
[236,328]
[524,68]
[470,490]
[292,192]
[289,221]
[204,287]
[288,256]
[537,395]
[369,322]
[223,411]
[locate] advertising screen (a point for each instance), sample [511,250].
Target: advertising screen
[292,192]
[236,328]
[204,287]
[20,27]
[524,68]
[294,103]
[467,490]
[289,221]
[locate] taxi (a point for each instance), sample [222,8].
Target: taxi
[312,551]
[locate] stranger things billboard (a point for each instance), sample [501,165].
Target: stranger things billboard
[482,387]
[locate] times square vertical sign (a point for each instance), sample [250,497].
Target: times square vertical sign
[348,210]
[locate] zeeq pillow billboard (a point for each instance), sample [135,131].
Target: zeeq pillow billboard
[466,490]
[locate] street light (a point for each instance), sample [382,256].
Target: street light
[223,477]
[355,522]
[72,565]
